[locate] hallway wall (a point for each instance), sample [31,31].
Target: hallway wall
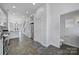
[40,25]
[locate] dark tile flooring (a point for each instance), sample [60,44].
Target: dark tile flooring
[30,47]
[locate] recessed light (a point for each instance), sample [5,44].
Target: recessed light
[27,12]
[33,3]
[13,6]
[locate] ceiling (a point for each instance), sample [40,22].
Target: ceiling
[72,15]
[20,8]
[18,12]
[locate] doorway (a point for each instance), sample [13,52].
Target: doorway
[32,31]
[69,28]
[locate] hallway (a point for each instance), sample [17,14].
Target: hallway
[39,29]
[30,47]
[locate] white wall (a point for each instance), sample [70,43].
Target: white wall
[40,25]
[72,29]
[71,33]
[56,10]
[47,23]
